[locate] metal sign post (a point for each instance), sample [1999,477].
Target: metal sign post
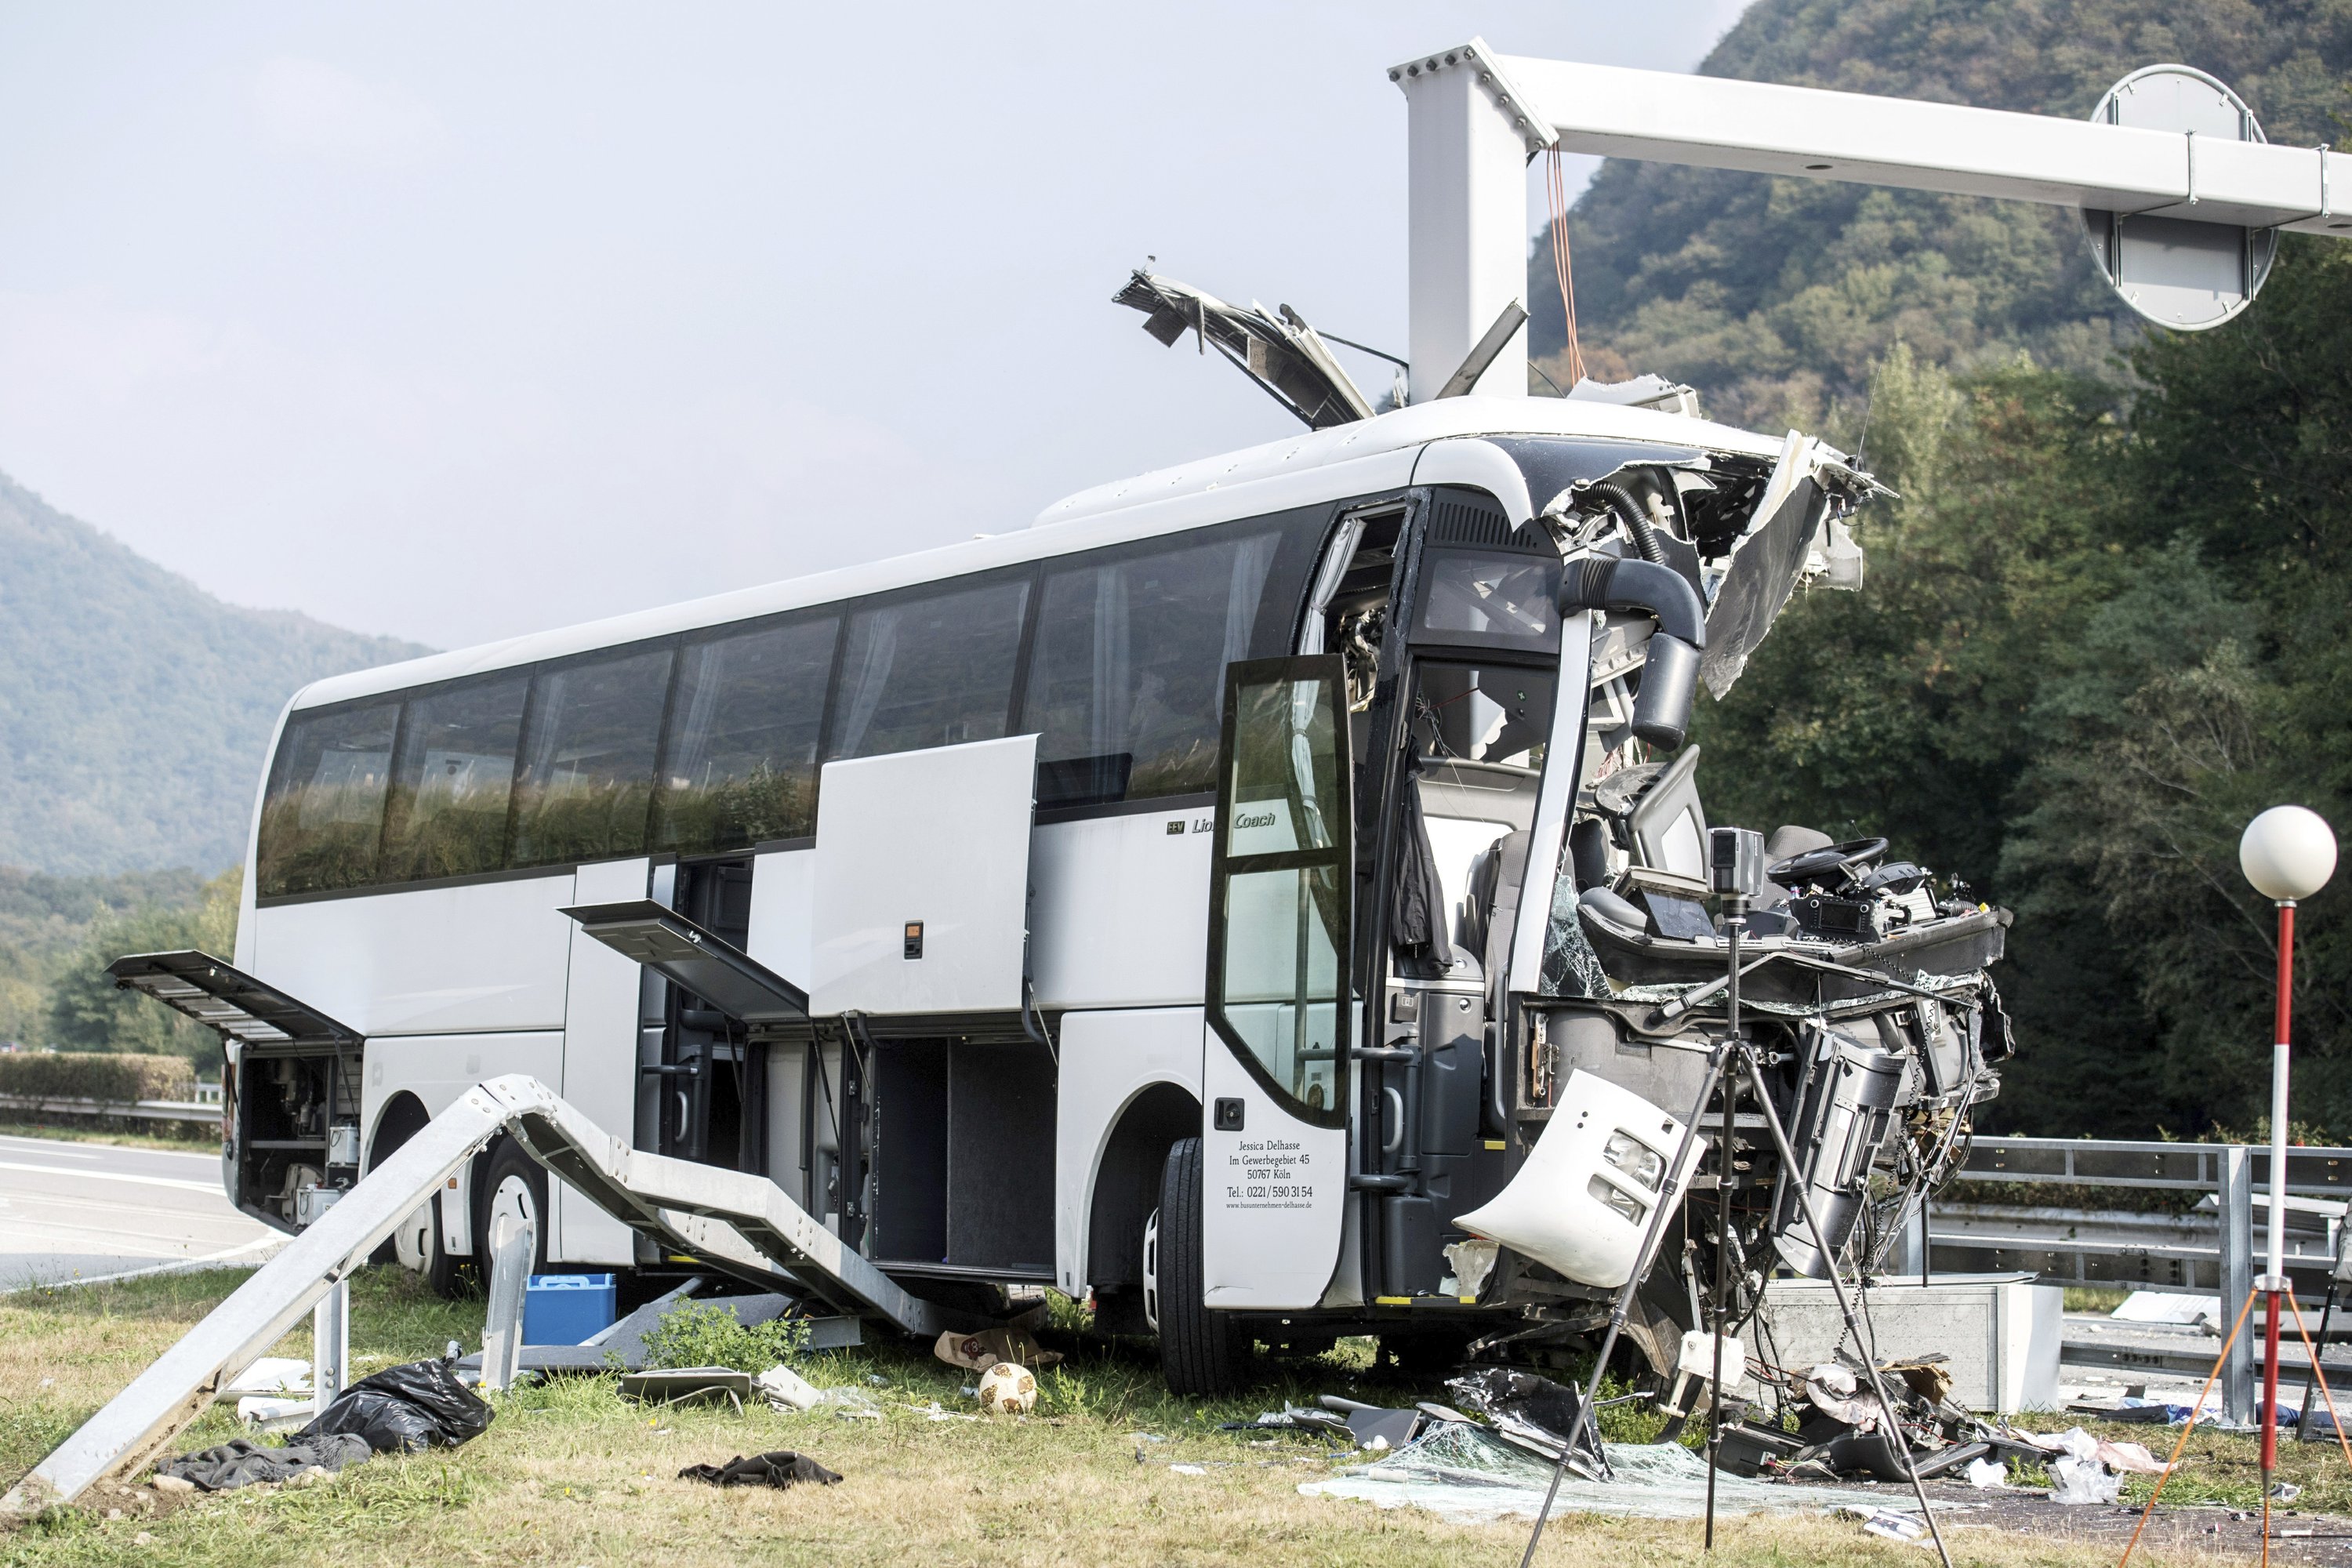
[331,1346]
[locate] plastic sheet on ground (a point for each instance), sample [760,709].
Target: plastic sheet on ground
[1465,1475]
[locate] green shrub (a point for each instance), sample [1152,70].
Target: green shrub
[92,1074]
[706,1333]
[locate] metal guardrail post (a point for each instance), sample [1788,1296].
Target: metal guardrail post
[513,1245]
[331,1346]
[2236,1195]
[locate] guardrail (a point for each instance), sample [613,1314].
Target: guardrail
[2209,1250]
[202,1109]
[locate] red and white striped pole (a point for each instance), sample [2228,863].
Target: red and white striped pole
[2273,1283]
[2288,853]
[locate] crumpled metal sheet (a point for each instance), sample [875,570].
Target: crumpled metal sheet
[1836,1393]
[1466,1475]
[1762,575]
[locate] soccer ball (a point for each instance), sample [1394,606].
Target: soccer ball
[1008,1389]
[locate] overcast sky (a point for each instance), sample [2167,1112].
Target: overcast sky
[453,321]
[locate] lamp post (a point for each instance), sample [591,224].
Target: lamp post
[2288,853]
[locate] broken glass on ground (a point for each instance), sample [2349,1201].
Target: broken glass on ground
[1468,1474]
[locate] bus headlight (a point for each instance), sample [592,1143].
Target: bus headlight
[1636,1159]
[1624,1202]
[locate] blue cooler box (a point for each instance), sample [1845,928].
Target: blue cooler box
[565,1309]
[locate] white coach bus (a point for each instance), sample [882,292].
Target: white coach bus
[1203,899]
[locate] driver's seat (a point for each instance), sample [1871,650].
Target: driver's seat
[1665,829]
[1787,842]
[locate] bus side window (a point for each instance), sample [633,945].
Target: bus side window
[739,764]
[1128,669]
[323,815]
[451,781]
[587,776]
[930,671]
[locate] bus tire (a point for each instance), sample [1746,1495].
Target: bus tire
[514,1182]
[423,1248]
[419,1244]
[1200,1352]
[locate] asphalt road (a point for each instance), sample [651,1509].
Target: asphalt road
[71,1211]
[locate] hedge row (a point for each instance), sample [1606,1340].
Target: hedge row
[88,1075]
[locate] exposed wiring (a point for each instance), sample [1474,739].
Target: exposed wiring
[1556,183]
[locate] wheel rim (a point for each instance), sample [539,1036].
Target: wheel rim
[412,1244]
[514,1202]
[1152,1271]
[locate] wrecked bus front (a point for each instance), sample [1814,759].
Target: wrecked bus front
[1582,955]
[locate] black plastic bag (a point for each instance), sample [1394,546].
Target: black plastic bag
[779,1469]
[406,1409]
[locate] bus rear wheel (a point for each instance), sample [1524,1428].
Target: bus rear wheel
[514,1187]
[1200,1352]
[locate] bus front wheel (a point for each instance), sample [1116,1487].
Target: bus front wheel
[1200,1352]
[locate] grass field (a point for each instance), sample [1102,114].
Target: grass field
[570,1474]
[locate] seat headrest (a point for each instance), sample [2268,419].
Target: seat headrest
[1789,839]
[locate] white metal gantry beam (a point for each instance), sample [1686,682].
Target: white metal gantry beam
[1477,116]
[1808,134]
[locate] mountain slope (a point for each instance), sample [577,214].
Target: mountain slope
[1774,297]
[134,706]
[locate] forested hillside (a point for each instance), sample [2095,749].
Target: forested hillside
[1776,297]
[134,706]
[2110,617]
[57,934]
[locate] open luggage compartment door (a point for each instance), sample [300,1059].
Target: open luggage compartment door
[697,960]
[291,1094]
[228,1001]
[922,881]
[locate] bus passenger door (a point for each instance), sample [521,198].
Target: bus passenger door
[1273,1078]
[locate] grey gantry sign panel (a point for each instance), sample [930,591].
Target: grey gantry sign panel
[2172,264]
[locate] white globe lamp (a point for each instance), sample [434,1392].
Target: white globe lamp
[2288,853]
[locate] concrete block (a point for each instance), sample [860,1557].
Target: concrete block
[2001,1333]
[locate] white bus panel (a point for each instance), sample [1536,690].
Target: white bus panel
[1122,910]
[485,955]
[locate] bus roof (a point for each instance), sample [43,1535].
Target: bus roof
[1366,457]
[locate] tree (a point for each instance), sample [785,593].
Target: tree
[88,1012]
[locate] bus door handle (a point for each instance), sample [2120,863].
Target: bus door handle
[1368,1184]
[667,1069]
[1407,1104]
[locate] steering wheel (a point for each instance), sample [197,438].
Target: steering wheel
[1841,861]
